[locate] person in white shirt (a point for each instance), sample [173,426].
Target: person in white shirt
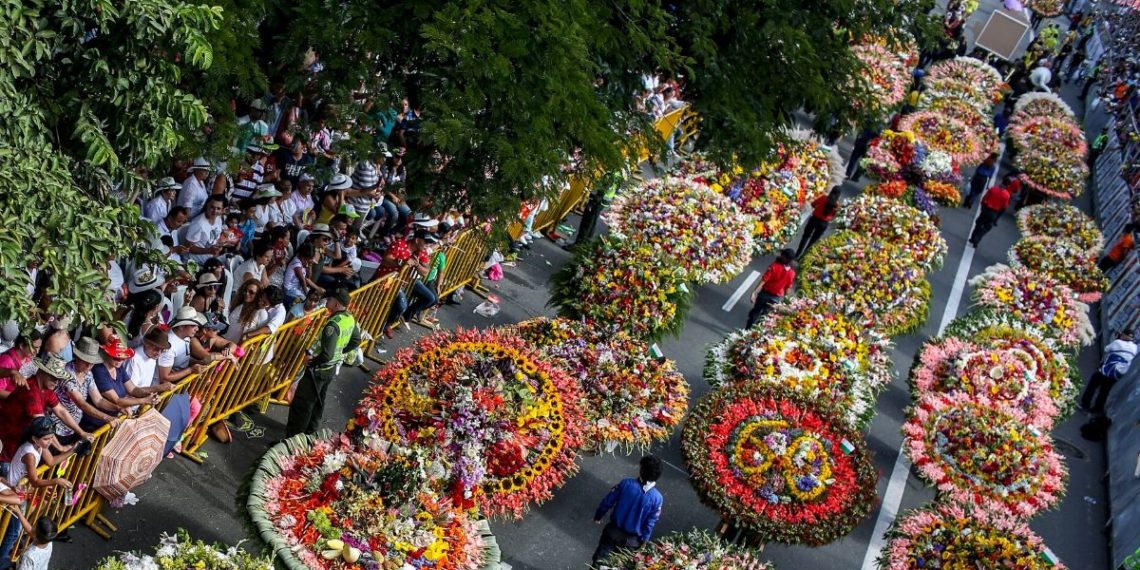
[272,301]
[158,207]
[193,194]
[174,362]
[268,214]
[1118,356]
[201,236]
[144,364]
[37,556]
[302,200]
[115,279]
[257,267]
[1041,76]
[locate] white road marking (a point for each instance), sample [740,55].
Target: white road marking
[740,291]
[901,472]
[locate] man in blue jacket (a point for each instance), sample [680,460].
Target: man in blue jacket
[636,505]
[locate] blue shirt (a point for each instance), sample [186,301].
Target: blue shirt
[635,511]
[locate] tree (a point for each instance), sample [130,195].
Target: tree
[89,99]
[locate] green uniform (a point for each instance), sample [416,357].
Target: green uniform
[339,336]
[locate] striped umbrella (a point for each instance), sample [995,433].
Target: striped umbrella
[131,455]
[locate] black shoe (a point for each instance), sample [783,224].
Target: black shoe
[64,536]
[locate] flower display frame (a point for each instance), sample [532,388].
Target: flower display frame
[945,133]
[1060,176]
[892,221]
[1064,261]
[743,444]
[693,550]
[1049,134]
[503,420]
[630,399]
[1061,220]
[179,550]
[979,452]
[1037,300]
[983,81]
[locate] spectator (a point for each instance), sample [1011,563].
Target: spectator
[16,366]
[334,198]
[775,283]
[209,347]
[202,235]
[143,315]
[1118,356]
[272,301]
[823,210]
[115,385]
[34,399]
[862,143]
[422,296]
[78,393]
[1041,76]
[253,174]
[302,200]
[366,191]
[57,340]
[636,505]
[174,362]
[1120,249]
[37,556]
[258,267]
[982,175]
[269,212]
[247,316]
[206,298]
[252,128]
[294,162]
[332,270]
[1001,120]
[193,194]
[169,228]
[143,365]
[297,281]
[994,204]
[158,207]
[24,467]
[312,303]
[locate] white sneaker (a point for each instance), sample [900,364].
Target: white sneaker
[535,235]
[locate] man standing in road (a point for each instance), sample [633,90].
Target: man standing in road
[1117,360]
[339,337]
[776,282]
[994,204]
[636,505]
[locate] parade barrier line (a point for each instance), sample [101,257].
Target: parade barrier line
[262,376]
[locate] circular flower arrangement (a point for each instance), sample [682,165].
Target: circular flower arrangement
[1007,377]
[979,452]
[891,155]
[1059,220]
[1041,105]
[778,464]
[877,280]
[688,225]
[909,195]
[772,197]
[808,345]
[629,398]
[1036,299]
[623,286]
[961,537]
[1060,176]
[329,503]
[883,219]
[938,166]
[694,550]
[1051,135]
[505,423]
[944,133]
[180,551]
[1046,8]
[1062,260]
[886,73]
[980,76]
[981,124]
[1004,331]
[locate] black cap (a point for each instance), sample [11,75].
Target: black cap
[339,294]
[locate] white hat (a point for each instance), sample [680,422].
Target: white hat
[267,191]
[321,230]
[200,163]
[340,182]
[424,220]
[255,149]
[166,183]
[187,315]
[145,279]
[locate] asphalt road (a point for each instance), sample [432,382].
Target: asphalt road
[559,534]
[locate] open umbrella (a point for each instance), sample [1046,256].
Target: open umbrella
[177,410]
[132,454]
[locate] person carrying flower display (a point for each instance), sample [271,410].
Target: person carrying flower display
[637,506]
[777,280]
[340,336]
[982,175]
[823,210]
[1118,356]
[994,204]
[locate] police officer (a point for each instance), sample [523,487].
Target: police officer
[339,337]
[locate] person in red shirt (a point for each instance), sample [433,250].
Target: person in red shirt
[777,279]
[822,211]
[33,400]
[1119,250]
[994,204]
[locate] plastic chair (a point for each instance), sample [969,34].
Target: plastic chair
[178,299]
[229,292]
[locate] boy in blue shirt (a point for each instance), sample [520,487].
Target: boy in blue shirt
[636,505]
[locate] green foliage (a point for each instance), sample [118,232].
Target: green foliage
[179,551]
[89,97]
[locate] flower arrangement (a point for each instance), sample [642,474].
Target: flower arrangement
[622,285]
[907,194]
[979,75]
[504,422]
[980,123]
[778,464]
[944,133]
[942,192]
[960,536]
[979,452]
[891,221]
[180,551]
[811,346]
[694,550]
[1004,331]
[699,168]
[1037,104]
[877,279]
[1062,260]
[1005,376]
[890,155]
[1046,8]
[1059,220]
[1036,299]
[1049,134]
[1060,176]
[687,225]
[772,197]
[818,166]
[333,502]
[886,73]
[938,166]
[629,398]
